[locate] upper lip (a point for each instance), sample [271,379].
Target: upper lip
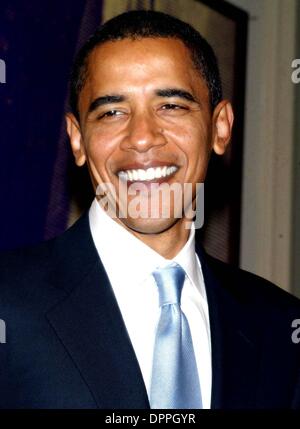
[145,165]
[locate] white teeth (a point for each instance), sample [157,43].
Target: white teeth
[157,173]
[135,175]
[169,170]
[142,174]
[148,174]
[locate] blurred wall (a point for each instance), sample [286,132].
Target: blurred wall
[296,185]
[268,209]
[37,42]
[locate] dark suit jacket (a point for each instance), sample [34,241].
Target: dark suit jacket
[67,346]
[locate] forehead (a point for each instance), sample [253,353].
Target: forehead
[142,49]
[145,62]
[150,52]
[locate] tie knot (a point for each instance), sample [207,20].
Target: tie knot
[170,281]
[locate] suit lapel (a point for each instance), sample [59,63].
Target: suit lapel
[90,326]
[234,340]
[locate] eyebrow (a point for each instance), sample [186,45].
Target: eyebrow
[115,98]
[176,92]
[105,99]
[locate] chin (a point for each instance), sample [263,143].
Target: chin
[149,226]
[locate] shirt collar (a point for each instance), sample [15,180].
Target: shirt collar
[115,243]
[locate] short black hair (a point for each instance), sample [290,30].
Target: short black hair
[138,24]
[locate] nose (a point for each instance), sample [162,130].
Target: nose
[143,133]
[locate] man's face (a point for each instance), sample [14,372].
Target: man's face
[144,105]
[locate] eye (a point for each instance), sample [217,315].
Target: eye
[110,114]
[173,109]
[171,106]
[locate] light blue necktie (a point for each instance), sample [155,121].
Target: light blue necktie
[175,380]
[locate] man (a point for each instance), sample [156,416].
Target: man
[84,324]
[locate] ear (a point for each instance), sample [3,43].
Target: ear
[222,126]
[73,130]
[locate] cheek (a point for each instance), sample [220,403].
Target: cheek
[196,147]
[99,147]
[194,141]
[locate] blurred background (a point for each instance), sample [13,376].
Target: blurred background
[252,206]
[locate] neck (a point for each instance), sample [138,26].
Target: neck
[167,243]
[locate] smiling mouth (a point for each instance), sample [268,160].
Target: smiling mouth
[147,175]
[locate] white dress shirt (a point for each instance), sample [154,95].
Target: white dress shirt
[129,264]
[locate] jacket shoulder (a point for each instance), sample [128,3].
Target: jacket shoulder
[252,288]
[32,260]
